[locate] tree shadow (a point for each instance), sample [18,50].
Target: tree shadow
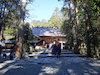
[58,68]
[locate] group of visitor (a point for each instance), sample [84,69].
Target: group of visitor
[11,55]
[56,49]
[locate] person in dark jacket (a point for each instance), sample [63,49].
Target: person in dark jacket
[4,55]
[11,55]
[58,50]
[48,46]
[54,48]
[0,50]
[34,45]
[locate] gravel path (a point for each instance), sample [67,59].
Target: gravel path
[57,67]
[51,66]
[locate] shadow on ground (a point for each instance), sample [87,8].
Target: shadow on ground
[60,68]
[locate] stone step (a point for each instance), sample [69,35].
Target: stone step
[46,52]
[62,55]
[66,50]
[53,56]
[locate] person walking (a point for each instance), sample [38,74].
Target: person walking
[54,48]
[47,45]
[34,45]
[11,55]
[4,55]
[58,50]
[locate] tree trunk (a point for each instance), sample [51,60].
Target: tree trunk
[1,5]
[77,25]
[20,30]
[97,52]
[77,18]
[73,26]
[1,21]
[87,30]
[94,38]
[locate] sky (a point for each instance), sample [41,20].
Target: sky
[42,9]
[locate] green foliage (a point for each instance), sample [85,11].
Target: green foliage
[9,16]
[38,23]
[9,33]
[27,37]
[94,6]
[54,22]
[56,19]
[67,27]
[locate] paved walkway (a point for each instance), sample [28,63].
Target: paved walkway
[51,66]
